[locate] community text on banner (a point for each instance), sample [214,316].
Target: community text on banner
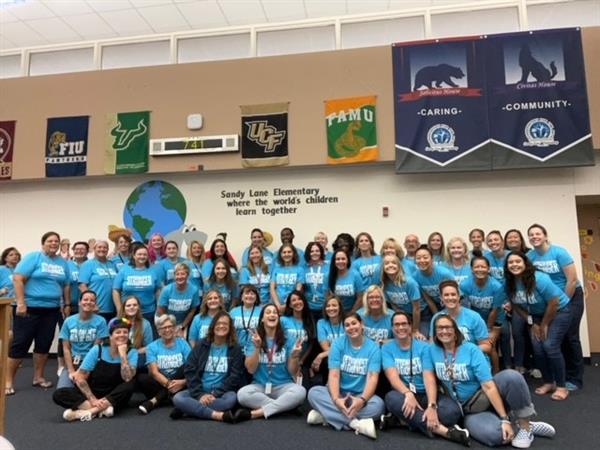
[265,135]
[351,130]
[7,139]
[538,107]
[66,146]
[127,142]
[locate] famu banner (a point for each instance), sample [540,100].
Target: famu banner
[351,130]
[537,94]
[265,135]
[66,146]
[127,142]
[440,106]
[7,139]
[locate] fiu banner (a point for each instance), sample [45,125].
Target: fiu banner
[66,146]
[538,108]
[351,130]
[7,139]
[488,103]
[127,142]
[265,135]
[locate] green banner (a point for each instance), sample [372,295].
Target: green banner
[127,143]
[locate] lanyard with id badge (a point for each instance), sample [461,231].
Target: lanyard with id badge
[270,353]
[411,384]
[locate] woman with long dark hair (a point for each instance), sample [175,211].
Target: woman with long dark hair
[345,283]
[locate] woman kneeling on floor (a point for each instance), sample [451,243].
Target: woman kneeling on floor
[104,381]
[165,359]
[273,362]
[349,401]
[497,410]
[214,372]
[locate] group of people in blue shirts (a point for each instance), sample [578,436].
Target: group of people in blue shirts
[232,343]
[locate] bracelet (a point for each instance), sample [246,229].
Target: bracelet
[363,399]
[505,421]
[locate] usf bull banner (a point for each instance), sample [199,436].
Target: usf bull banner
[503,101]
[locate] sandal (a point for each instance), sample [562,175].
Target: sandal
[560,394]
[43,384]
[9,391]
[544,389]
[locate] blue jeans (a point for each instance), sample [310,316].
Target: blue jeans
[192,407]
[486,427]
[571,345]
[505,346]
[548,355]
[320,399]
[449,413]
[519,334]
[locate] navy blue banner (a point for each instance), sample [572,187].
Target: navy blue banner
[440,106]
[66,146]
[537,98]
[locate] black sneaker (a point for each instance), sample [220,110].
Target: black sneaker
[459,435]
[387,421]
[176,414]
[228,417]
[241,415]
[146,407]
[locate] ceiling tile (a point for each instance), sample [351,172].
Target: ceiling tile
[399,5]
[6,16]
[68,7]
[127,22]
[317,8]
[54,30]
[5,44]
[91,26]
[145,3]
[206,14]
[239,12]
[22,35]
[32,9]
[109,5]
[164,18]
[284,10]
[362,7]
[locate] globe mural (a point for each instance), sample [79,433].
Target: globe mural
[154,207]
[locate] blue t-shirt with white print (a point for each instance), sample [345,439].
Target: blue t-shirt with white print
[315,285]
[553,262]
[429,284]
[545,290]
[286,278]
[82,334]
[168,359]
[470,323]
[279,373]
[46,278]
[484,300]
[377,330]
[346,288]
[99,278]
[179,303]
[261,281]
[354,364]
[402,296]
[393,356]
[369,270]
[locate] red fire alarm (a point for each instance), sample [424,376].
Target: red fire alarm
[386,211]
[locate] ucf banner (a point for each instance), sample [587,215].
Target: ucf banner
[265,135]
[66,146]
[507,101]
[351,130]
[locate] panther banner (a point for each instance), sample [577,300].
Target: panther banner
[440,106]
[265,135]
[351,130]
[537,96]
[7,139]
[66,146]
[127,143]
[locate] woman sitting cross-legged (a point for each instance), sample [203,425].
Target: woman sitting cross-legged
[273,362]
[104,381]
[214,371]
[165,359]
[494,407]
[402,361]
[348,402]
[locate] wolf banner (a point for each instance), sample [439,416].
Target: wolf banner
[537,98]
[440,106]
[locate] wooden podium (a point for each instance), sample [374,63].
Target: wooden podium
[5,313]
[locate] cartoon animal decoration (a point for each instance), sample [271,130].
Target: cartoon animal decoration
[348,144]
[530,65]
[429,76]
[54,142]
[187,234]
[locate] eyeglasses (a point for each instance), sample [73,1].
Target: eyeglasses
[167,327]
[402,324]
[444,327]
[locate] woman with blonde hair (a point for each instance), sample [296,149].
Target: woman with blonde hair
[196,254]
[377,320]
[457,258]
[212,303]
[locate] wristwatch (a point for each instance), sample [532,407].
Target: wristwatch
[432,405]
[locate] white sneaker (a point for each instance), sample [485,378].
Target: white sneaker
[523,439]
[366,427]
[315,418]
[542,429]
[108,412]
[535,373]
[83,415]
